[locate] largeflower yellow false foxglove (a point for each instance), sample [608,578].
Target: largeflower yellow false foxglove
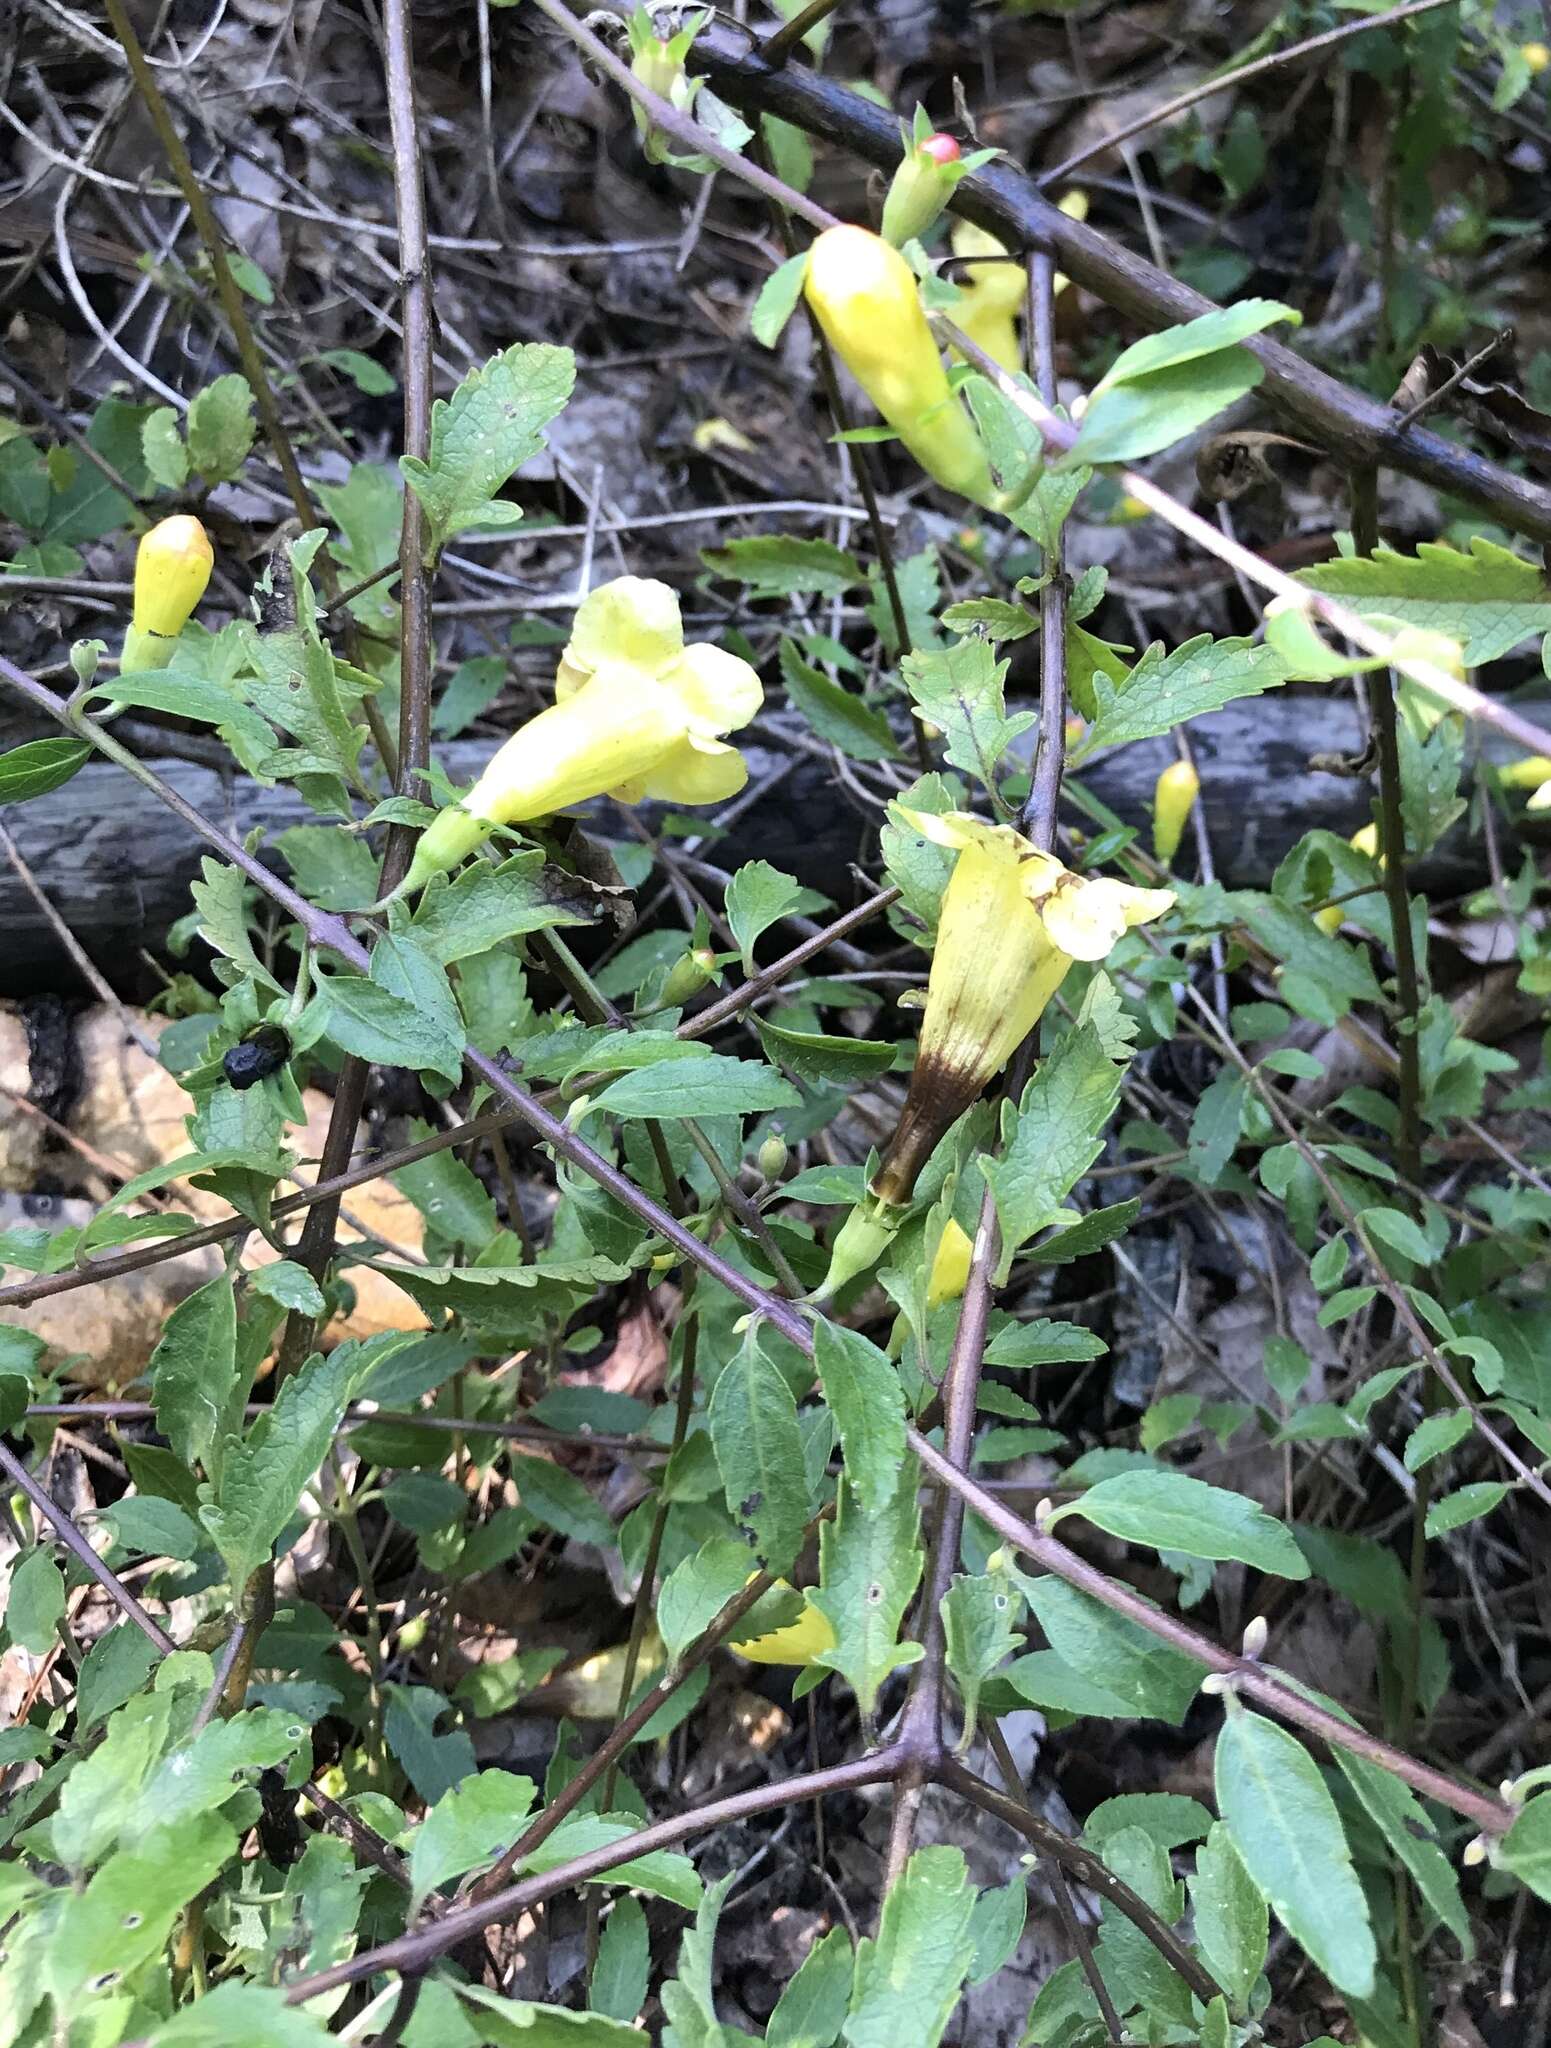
[1011,924]
[1173,799]
[172,571]
[863,294]
[1365,840]
[798,1643]
[637,715]
[995,292]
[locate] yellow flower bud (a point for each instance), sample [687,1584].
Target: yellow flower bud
[1366,840]
[172,572]
[1173,799]
[1012,921]
[1528,772]
[637,715]
[1331,916]
[950,1266]
[1536,57]
[863,294]
[800,1642]
[689,974]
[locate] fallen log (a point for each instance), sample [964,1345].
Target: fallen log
[116,864]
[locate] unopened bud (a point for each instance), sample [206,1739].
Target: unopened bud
[689,974]
[1255,1637]
[772,1157]
[920,188]
[1527,773]
[1536,57]
[1366,841]
[1174,796]
[1474,1851]
[172,571]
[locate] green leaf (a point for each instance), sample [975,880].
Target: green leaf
[486,904]
[1045,1680]
[812,2008]
[196,1777]
[433,1763]
[1491,600]
[364,372]
[289,1284]
[450,1196]
[38,766]
[1164,690]
[708,1084]
[996,1927]
[1171,1511]
[777,300]
[869,1567]
[1230,1916]
[698,1588]
[1289,1837]
[262,1474]
[1436,1435]
[116,1668]
[1114,1653]
[753,1420]
[835,713]
[959,689]
[1168,1818]
[623,1970]
[161,446]
[662,1872]
[223,923]
[221,428]
[332,869]
[1216,1123]
[253,2014]
[823,1060]
[36,1602]
[481,436]
[1466,1504]
[126,1912]
[993,616]
[403,1016]
[1526,1848]
[1395,1229]
[908,1981]
[560,1501]
[505,1298]
[785,565]
[862,1389]
[194,1369]
[518,2023]
[1166,385]
[759,896]
[152,1527]
[1052,1139]
[1402,1819]
[1025,1345]
[467,1829]
[978,1617]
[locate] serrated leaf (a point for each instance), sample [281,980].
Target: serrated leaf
[1466,1504]
[467,1828]
[1491,600]
[1165,690]
[450,1196]
[1396,1230]
[253,2014]
[289,1284]
[786,565]
[504,1298]
[194,1368]
[662,1872]
[480,437]
[197,1776]
[758,896]
[753,1420]
[559,1500]
[1055,1136]
[959,689]
[161,446]
[978,1616]
[707,1084]
[1289,1837]
[125,1914]
[869,1567]
[221,428]
[864,1395]
[777,300]
[1171,1511]
[822,1059]
[835,713]
[485,904]
[908,1981]
[698,1588]
[993,616]
[812,2008]
[222,923]
[1216,1123]
[263,1473]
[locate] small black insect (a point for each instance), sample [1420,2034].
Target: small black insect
[263,1052]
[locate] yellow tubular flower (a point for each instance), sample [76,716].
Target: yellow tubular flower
[798,1643]
[1527,773]
[993,295]
[637,715]
[172,572]
[950,1266]
[1173,799]
[863,294]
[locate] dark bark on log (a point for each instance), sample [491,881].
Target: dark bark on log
[117,865]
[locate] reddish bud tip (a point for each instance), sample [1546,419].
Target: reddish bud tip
[942,149]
